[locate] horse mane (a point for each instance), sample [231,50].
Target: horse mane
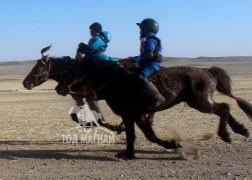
[108,76]
[100,64]
[101,68]
[67,61]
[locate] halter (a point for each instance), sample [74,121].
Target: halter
[43,74]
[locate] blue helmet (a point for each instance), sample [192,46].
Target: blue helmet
[106,36]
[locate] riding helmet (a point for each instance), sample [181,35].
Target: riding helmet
[150,24]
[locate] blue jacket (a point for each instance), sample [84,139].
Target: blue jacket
[97,44]
[97,47]
[147,68]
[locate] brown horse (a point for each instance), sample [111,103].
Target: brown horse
[56,69]
[195,86]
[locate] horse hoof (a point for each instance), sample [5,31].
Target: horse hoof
[225,137]
[247,139]
[176,144]
[246,133]
[125,156]
[121,128]
[227,140]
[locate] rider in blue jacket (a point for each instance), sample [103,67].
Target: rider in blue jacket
[97,45]
[149,60]
[94,49]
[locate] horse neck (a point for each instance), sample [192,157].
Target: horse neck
[99,73]
[59,69]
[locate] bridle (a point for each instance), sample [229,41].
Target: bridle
[44,75]
[46,72]
[48,66]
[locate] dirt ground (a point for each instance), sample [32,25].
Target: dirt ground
[34,124]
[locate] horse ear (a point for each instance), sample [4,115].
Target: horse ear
[47,58]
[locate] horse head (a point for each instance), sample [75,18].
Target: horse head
[47,68]
[40,72]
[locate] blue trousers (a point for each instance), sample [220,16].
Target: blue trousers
[146,71]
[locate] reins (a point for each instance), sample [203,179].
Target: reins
[93,90]
[89,86]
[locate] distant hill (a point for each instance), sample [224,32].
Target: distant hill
[14,63]
[165,60]
[203,58]
[234,65]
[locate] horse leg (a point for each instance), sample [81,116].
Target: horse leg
[118,127]
[222,110]
[151,136]
[130,137]
[150,118]
[93,105]
[205,104]
[79,102]
[237,127]
[170,98]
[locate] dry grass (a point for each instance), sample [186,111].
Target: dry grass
[32,124]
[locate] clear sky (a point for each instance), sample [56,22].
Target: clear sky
[188,28]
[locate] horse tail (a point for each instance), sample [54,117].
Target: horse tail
[223,80]
[224,86]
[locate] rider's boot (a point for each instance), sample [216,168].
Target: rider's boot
[152,93]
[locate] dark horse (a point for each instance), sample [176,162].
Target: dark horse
[195,86]
[56,69]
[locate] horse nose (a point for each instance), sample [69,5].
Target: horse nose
[27,85]
[24,83]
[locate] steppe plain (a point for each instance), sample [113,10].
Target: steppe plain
[32,125]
